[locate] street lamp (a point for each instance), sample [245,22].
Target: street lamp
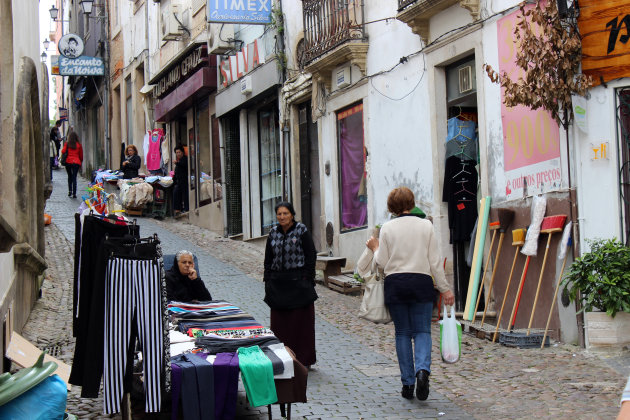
[44,56]
[86,5]
[54,12]
[46,43]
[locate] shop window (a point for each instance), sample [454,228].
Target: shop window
[270,167]
[352,174]
[204,177]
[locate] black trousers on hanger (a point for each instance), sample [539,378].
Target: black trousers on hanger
[89,301]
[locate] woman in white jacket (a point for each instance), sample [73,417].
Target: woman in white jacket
[408,252]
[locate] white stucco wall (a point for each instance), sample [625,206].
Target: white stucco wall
[598,180]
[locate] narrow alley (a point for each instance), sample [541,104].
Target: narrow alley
[356,375]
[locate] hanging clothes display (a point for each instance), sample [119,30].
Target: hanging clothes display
[461,178]
[119,295]
[154,152]
[89,297]
[133,301]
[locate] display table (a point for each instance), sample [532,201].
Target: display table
[224,332]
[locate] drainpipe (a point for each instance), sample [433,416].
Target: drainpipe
[106,85]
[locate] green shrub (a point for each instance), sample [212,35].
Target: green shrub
[602,276]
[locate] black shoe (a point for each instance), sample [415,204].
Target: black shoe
[407,391]
[74,196]
[422,385]
[69,194]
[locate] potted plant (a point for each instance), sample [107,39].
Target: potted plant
[602,277]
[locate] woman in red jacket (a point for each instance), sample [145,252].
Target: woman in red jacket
[73,161]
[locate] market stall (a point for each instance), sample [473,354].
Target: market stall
[187,357]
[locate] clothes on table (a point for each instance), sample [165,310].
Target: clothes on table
[257,374]
[226,370]
[193,385]
[222,345]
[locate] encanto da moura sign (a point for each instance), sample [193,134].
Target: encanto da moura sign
[605,29]
[81,66]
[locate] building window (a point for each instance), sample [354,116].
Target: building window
[270,173]
[352,176]
[129,111]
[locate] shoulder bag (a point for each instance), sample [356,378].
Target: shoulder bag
[64,156]
[373,306]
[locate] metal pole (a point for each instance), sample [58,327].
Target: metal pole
[106,86]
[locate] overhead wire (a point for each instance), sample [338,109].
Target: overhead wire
[406,58]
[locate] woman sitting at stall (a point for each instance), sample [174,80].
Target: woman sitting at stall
[182,282]
[132,162]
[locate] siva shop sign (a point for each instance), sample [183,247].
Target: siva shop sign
[239,11]
[81,66]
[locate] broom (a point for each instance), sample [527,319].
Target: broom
[550,225]
[494,226]
[566,244]
[505,219]
[518,239]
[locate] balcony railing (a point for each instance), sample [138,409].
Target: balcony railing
[404,3]
[330,23]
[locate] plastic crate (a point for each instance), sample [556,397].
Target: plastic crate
[522,340]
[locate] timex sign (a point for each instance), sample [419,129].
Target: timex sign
[239,11]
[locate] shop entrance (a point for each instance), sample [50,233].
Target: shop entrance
[623,119]
[309,173]
[233,200]
[461,178]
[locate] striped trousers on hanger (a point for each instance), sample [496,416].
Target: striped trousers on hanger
[132,288]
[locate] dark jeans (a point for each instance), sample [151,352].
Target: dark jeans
[72,169]
[52,165]
[180,197]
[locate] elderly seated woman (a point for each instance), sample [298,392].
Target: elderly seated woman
[182,282]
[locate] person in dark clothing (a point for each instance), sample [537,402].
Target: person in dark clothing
[289,278]
[180,180]
[55,136]
[132,162]
[182,282]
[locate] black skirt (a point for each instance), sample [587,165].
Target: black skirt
[296,329]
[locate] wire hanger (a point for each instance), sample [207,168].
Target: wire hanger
[463,190]
[463,170]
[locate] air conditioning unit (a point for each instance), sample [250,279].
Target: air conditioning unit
[220,38]
[169,27]
[465,79]
[342,77]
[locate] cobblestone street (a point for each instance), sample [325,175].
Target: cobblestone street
[356,375]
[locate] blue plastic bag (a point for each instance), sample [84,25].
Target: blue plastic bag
[45,401]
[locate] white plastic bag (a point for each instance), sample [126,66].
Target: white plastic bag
[450,337]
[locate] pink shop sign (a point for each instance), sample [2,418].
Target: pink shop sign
[531,138]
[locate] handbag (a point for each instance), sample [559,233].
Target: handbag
[64,156]
[373,306]
[450,337]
